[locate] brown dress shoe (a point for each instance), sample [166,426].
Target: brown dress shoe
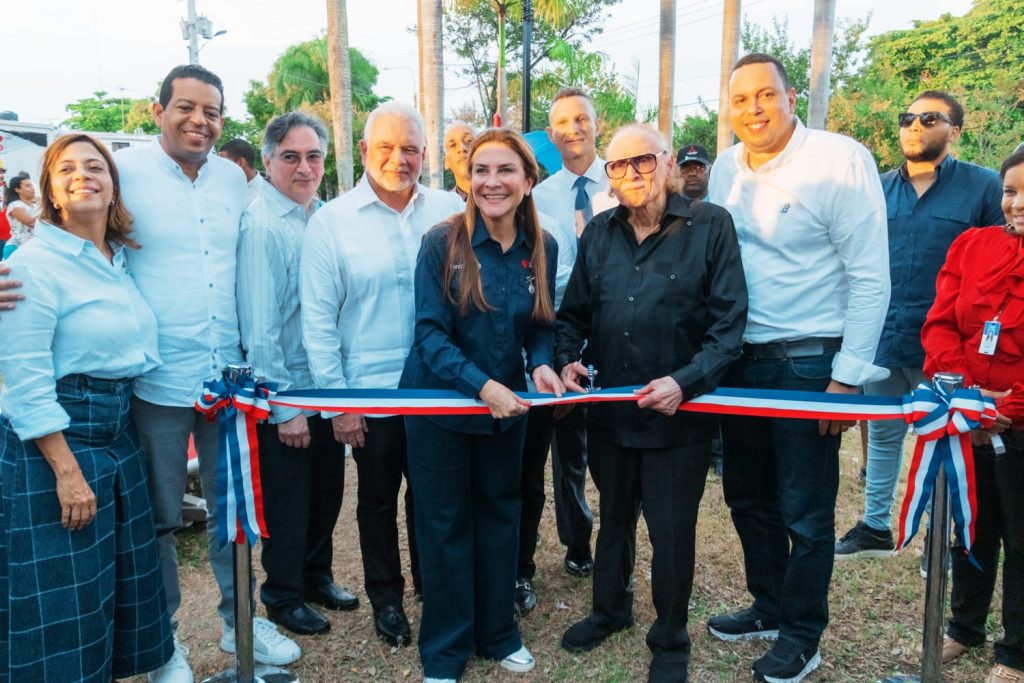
[951,649]
[1001,673]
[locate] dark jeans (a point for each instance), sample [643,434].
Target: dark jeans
[302,489]
[466,488]
[780,482]
[1000,490]
[539,426]
[668,484]
[573,517]
[381,464]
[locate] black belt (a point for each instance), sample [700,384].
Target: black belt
[796,348]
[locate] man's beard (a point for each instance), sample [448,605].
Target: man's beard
[930,152]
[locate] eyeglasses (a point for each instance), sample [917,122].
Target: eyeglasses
[641,163]
[293,158]
[928,119]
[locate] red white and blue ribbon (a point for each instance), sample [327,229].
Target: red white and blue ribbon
[237,408]
[942,424]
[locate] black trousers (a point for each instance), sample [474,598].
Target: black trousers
[539,426]
[1000,521]
[573,517]
[667,483]
[381,464]
[302,490]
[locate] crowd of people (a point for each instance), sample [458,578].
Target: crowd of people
[788,263]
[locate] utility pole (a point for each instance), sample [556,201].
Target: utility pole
[527,76]
[195,27]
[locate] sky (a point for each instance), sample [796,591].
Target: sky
[59,51]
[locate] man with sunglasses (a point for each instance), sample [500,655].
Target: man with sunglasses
[930,199]
[810,215]
[658,295]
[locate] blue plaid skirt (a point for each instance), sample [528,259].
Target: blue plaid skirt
[83,605]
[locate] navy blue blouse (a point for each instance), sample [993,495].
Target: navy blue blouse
[462,352]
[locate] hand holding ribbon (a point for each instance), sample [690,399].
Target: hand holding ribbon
[237,407]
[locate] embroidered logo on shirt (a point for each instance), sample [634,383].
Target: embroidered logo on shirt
[785,209]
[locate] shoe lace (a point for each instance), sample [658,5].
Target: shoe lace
[524,584]
[265,631]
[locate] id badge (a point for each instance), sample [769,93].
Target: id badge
[989,338]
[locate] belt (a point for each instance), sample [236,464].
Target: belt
[795,348]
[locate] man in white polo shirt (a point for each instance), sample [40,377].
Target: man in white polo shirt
[187,206]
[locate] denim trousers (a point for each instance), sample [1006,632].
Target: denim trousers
[780,482]
[1000,521]
[885,449]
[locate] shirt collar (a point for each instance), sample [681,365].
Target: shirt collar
[363,194]
[480,235]
[280,203]
[946,164]
[61,239]
[676,206]
[172,165]
[594,173]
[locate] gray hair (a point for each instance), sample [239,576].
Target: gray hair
[641,129]
[281,125]
[398,110]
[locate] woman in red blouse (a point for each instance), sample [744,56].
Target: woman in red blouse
[980,294]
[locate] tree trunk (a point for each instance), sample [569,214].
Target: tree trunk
[666,67]
[501,96]
[418,104]
[432,94]
[821,62]
[340,76]
[730,50]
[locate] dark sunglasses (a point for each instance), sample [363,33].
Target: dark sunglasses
[928,118]
[641,163]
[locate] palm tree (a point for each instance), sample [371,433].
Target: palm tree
[340,73]
[730,48]
[666,67]
[432,85]
[821,62]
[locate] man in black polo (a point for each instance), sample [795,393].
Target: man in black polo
[659,297]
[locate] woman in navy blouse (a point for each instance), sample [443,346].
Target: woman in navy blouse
[484,289]
[81,597]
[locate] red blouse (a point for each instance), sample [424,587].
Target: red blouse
[983,277]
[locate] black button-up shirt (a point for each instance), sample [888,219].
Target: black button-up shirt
[455,351]
[673,305]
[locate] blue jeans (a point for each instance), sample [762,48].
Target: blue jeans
[885,449]
[780,481]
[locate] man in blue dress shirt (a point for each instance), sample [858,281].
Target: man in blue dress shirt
[930,199]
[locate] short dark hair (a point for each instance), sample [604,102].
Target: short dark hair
[239,149]
[189,71]
[1015,159]
[762,58]
[283,124]
[571,92]
[956,110]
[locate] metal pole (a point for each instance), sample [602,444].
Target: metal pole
[527,37]
[193,33]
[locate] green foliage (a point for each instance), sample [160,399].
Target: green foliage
[700,128]
[978,57]
[103,114]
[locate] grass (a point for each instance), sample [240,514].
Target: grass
[875,630]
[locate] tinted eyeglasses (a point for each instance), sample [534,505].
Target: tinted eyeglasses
[641,163]
[928,118]
[293,158]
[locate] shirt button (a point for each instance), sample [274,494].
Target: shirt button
[213,317]
[689,223]
[206,252]
[636,267]
[672,277]
[211,285]
[630,298]
[626,333]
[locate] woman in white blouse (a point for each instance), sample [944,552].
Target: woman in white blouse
[80,591]
[22,208]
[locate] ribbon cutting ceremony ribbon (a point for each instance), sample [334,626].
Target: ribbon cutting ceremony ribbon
[942,424]
[237,408]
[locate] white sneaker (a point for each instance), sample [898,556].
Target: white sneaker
[269,646]
[176,670]
[439,680]
[519,661]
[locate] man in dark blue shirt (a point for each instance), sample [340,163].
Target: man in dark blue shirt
[930,199]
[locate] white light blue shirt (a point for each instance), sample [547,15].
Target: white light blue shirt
[81,315]
[269,249]
[186,267]
[358,263]
[556,197]
[812,230]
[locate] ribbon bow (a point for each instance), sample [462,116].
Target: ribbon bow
[237,408]
[942,423]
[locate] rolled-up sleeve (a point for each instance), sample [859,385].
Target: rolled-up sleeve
[29,395]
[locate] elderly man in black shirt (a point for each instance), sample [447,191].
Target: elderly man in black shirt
[659,297]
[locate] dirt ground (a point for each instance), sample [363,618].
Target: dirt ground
[875,630]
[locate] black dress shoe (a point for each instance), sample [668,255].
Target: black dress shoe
[333,596]
[585,635]
[392,625]
[525,597]
[300,618]
[580,568]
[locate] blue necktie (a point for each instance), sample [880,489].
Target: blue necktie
[583,199]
